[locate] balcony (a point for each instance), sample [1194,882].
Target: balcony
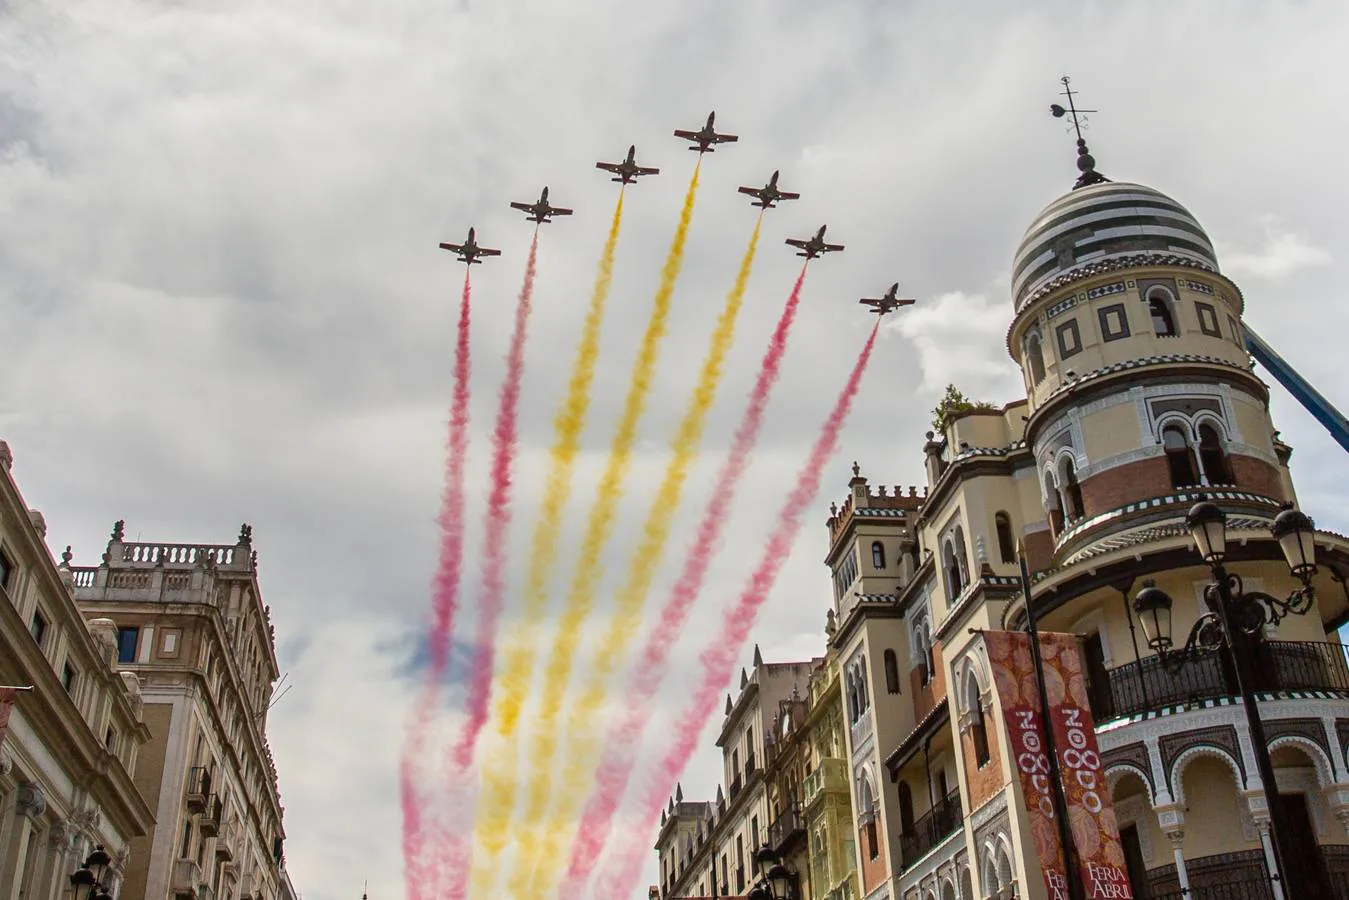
[209,823]
[186,877]
[750,768]
[786,830]
[1279,666]
[830,777]
[225,840]
[935,826]
[736,784]
[246,887]
[198,788]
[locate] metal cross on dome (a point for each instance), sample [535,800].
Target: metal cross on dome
[1086,164]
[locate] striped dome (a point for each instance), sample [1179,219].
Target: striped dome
[1096,223]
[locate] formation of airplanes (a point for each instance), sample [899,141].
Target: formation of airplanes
[628,171]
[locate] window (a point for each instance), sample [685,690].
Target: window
[1212,458]
[877,555]
[1163,313]
[68,676]
[952,570]
[187,842]
[1235,329]
[864,696]
[1036,357]
[891,672]
[1208,319]
[922,647]
[978,728]
[38,627]
[126,644]
[6,567]
[1002,524]
[1070,339]
[1072,492]
[905,808]
[1114,322]
[1052,504]
[1179,457]
[754,831]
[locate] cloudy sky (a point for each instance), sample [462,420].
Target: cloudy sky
[222,298]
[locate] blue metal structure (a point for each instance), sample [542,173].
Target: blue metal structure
[1321,409]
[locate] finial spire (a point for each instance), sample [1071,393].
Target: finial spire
[1086,163]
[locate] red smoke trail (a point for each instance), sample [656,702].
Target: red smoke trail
[615,769]
[456,851]
[444,604]
[718,659]
[493,587]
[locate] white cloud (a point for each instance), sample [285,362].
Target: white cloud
[1283,253]
[960,340]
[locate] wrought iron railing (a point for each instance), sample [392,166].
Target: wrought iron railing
[736,785]
[786,828]
[1279,666]
[935,826]
[1224,876]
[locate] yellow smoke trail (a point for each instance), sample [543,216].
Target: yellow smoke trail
[583,736]
[499,769]
[599,526]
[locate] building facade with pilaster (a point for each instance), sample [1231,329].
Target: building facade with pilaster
[73,744]
[191,624]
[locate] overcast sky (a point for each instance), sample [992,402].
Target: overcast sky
[222,299]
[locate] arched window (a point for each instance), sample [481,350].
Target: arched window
[1052,504]
[1072,492]
[868,819]
[863,696]
[891,672]
[877,555]
[961,555]
[922,651]
[1036,358]
[978,728]
[1212,457]
[952,568]
[1163,313]
[1179,457]
[1002,524]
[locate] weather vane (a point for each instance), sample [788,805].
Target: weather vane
[1086,164]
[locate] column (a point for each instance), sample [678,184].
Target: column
[1258,804]
[1171,819]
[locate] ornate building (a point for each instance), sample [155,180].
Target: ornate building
[75,741]
[191,623]
[1141,400]
[706,849]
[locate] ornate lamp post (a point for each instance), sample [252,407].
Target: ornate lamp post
[87,881]
[776,881]
[1232,627]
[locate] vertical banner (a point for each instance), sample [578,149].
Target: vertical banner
[1009,655]
[1091,815]
[6,705]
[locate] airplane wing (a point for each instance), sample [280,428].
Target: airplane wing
[753,192]
[788,195]
[797,242]
[833,247]
[686,135]
[454,248]
[559,211]
[609,167]
[483,251]
[525,206]
[646,170]
[726,138]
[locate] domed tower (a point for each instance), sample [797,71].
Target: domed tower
[1129,339]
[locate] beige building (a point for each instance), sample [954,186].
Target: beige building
[1141,398]
[75,741]
[707,849]
[191,623]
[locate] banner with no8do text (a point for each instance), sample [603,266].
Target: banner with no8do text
[1091,816]
[1009,657]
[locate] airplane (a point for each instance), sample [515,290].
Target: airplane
[540,211]
[706,137]
[769,194]
[888,303]
[815,246]
[469,250]
[628,171]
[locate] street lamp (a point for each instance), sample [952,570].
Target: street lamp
[1233,627]
[777,882]
[87,881]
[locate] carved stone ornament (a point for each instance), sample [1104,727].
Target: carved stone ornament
[61,836]
[29,800]
[121,858]
[87,819]
[6,763]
